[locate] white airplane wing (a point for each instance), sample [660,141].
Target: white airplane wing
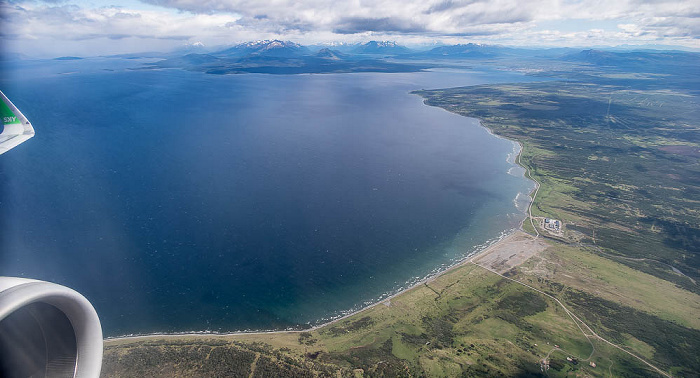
[46,330]
[16,127]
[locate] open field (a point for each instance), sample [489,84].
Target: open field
[511,252]
[584,270]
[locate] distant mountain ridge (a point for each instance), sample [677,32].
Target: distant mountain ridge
[286,57]
[595,57]
[602,57]
[272,48]
[381,47]
[642,61]
[469,50]
[331,54]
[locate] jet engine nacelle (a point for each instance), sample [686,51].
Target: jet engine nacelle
[47,330]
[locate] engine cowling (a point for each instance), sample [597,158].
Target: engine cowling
[47,330]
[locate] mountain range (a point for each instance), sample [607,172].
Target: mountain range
[284,57]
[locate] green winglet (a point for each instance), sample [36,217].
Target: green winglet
[8,117]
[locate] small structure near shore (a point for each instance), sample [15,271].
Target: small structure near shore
[552,224]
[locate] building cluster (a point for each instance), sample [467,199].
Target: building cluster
[552,224]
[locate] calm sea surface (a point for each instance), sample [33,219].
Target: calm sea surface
[179,201]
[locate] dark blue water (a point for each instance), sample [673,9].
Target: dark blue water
[180,201]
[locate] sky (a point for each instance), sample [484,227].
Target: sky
[46,28]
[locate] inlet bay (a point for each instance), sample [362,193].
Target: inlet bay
[179,201]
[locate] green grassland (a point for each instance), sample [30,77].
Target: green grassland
[469,322]
[581,268]
[651,316]
[619,166]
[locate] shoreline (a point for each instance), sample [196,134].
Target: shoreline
[507,239]
[503,240]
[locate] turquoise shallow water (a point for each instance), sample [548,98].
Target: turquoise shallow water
[178,201]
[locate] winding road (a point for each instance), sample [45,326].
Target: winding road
[573,316]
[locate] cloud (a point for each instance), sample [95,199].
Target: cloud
[42,25]
[349,17]
[409,21]
[46,30]
[660,18]
[353,25]
[444,17]
[447,5]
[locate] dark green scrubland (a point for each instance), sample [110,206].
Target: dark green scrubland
[618,165]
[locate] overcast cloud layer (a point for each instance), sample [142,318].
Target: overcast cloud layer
[60,27]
